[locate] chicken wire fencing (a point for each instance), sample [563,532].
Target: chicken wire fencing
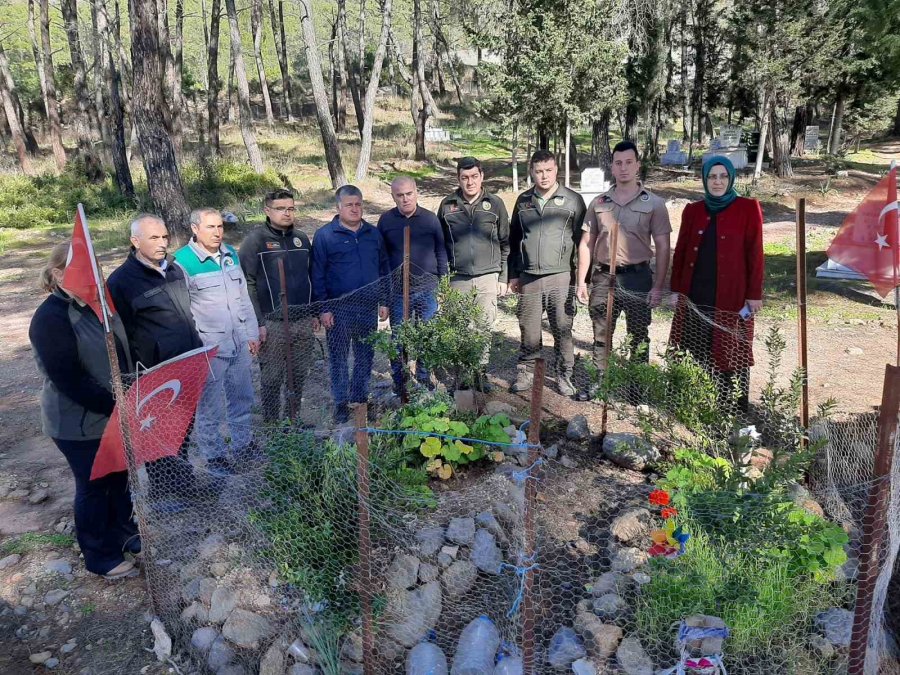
[444,532]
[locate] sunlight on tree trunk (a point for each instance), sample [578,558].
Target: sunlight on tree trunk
[281,51]
[59,152]
[365,152]
[12,118]
[245,114]
[214,84]
[256,25]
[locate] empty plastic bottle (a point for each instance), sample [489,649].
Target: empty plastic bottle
[476,648]
[426,658]
[508,665]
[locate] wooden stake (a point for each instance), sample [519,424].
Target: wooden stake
[291,394]
[610,321]
[801,315]
[365,537]
[404,369]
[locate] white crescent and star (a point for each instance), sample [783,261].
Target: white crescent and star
[172,385]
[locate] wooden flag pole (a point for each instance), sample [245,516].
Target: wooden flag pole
[895,246]
[801,316]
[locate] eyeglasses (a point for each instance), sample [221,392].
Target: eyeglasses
[283,209]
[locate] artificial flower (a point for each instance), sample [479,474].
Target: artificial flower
[659,498]
[669,512]
[659,537]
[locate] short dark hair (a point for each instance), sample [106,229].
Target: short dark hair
[540,156]
[625,146]
[275,195]
[346,191]
[467,163]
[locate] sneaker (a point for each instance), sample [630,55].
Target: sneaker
[564,385]
[123,570]
[589,394]
[524,380]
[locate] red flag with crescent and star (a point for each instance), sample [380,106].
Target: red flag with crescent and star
[82,273]
[158,410]
[868,241]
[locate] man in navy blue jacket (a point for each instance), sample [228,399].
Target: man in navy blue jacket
[427,258]
[349,257]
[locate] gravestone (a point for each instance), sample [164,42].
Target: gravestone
[729,136]
[674,155]
[811,139]
[437,135]
[728,144]
[593,183]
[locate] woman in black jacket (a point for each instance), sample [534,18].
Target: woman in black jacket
[76,402]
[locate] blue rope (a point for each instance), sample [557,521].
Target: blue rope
[689,633]
[519,477]
[413,432]
[520,571]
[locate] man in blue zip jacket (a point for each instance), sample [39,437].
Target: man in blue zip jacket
[349,259]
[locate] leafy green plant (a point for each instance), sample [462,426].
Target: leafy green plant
[35,541]
[452,343]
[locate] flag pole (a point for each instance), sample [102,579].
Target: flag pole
[895,250]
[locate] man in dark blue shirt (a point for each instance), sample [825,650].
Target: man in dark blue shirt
[349,259]
[427,262]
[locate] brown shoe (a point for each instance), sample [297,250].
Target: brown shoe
[123,570]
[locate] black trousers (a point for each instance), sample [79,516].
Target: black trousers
[104,525]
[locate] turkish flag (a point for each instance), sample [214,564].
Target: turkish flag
[868,241]
[82,274]
[158,410]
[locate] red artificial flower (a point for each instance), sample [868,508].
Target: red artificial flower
[669,512]
[662,551]
[659,498]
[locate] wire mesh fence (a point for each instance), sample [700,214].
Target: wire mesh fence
[423,519]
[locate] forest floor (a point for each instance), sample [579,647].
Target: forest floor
[99,628]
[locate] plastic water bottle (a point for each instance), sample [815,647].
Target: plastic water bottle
[426,658]
[508,665]
[476,648]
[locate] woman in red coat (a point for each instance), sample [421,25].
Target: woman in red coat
[718,267]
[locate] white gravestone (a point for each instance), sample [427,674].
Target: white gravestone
[811,139]
[674,155]
[593,183]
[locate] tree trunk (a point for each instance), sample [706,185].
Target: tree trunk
[229,88]
[340,111]
[87,122]
[178,78]
[256,23]
[343,43]
[323,115]
[361,48]
[896,130]
[36,52]
[405,75]
[12,117]
[168,61]
[101,95]
[212,76]
[781,146]
[514,159]
[157,151]
[116,112]
[365,151]
[834,141]
[763,134]
[59,152]
[124,61]
[281,50]
[243,91]
[12,93]
[798,130]
[631,122]
[418,68]
[685,122]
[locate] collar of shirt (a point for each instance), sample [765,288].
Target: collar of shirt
[412,215]
[641,191]
[161,268]
[460,197]
[277,230]
[203,254]
[543,200]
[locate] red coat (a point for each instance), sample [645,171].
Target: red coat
[739,276]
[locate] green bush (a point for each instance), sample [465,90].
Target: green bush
[311,516]
[227,183]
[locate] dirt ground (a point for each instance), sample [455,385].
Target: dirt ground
[851,337]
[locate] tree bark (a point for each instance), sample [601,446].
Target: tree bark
[344,44]
[896,129]
[763,134]
[157,151]
[514,159]
[281,50]
[245,114]
[101,95]
[418,68]
[36,52]
[178,78]
[323,115]
[781,146]
[798,131]
[405,75]
[214,85]
[834,140]
[365,151]
[341,60]
[86,122]
[338,88]
[116,112]
[361,48]
[168,61]
[685,135]
[12,93]
[59,152]
[256,24]
[12,117]
[124,61]
[229,89]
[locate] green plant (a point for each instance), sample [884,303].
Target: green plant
[35,541]
[825,187]
[452,343]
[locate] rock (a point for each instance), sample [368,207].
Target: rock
[821,647]
[508,516]
[609,582]
[196,611]
[272,662]
[450,550]
[246,629]
[18,494]
[300,652]
[68,648]
[444,560]
[403,572]
[191,590]
[38,496]
[487,520]
[302,669]
[222,603]
[600,639]
[464,400]
[352,649]
[627,560]
[51,663]
[220,654]
[709,646]
[630,525]
[59,566]
[411,614]
[428,572]
[854,351]
[584,667]
[565,648]
[9,561]
[578,429]
[568,462]
[55,597]
[461,531]
[162,643]
[495,407]
[430,540]
[629,451]
[232,669]
[609,607]
[40,657]
[211,547]
[218,569]
[641,578]
[836,625]
[459,578]
[551,452]
[486,554]
[802,498]
[633,658]
[206,589]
